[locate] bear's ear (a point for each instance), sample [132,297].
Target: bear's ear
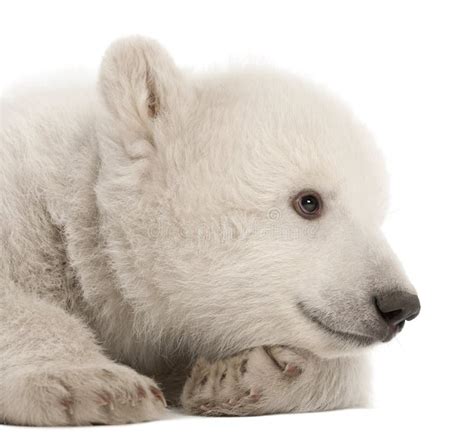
[139,83]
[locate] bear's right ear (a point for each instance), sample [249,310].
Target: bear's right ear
[140,84]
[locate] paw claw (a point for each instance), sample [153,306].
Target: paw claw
[141,393]
[253,395]
[292,370]
[68,404]
[243,366]
[158,395]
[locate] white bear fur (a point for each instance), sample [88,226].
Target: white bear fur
[149,223]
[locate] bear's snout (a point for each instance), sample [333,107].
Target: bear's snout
[396,307]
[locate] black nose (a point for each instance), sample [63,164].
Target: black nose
[396,307]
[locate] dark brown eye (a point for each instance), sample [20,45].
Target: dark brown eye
[308,204]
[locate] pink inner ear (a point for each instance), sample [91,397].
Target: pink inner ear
[153,100]
[153,105]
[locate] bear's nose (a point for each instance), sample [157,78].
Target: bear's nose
[396,307]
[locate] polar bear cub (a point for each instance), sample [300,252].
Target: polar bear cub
[208,240]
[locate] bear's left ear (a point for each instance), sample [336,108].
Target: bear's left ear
[140,83]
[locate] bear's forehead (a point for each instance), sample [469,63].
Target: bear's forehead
[285,130]
[280,113]
[273,100]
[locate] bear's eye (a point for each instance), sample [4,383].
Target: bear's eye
[308,204]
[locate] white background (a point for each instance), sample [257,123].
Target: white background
[407,69]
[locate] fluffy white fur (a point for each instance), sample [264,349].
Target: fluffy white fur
[150,224]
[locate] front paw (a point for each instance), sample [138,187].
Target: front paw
[81,395]
[249,383]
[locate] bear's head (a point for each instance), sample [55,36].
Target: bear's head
[243,209]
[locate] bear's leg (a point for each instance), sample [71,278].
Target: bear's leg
[275,379]
[53,373]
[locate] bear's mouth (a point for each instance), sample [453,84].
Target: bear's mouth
[359,339]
